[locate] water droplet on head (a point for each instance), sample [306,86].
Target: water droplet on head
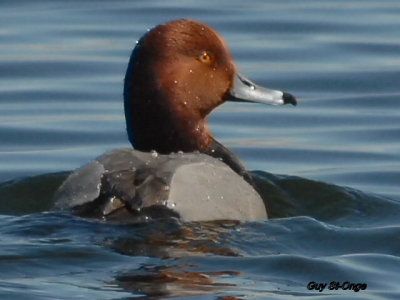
[175,81]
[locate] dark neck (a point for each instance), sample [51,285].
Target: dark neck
[153,126]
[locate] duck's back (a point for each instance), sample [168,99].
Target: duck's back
[129,185]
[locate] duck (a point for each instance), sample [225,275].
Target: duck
[177,74]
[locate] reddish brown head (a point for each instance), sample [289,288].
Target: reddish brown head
[177,74]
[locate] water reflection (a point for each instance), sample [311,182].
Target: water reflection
[172,241]
[174,281]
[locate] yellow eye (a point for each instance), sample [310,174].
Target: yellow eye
[206,57]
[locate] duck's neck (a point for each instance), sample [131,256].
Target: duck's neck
[152,126]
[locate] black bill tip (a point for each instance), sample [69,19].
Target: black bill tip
[289,99]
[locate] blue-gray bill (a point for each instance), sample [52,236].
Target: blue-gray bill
[244,90]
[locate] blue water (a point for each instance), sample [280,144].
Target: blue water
[331,164]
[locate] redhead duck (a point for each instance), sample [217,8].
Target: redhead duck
[177,74]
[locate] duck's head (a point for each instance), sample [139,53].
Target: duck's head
[177,74]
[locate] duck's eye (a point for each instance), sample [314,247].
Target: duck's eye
[206,57]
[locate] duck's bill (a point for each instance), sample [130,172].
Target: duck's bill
[244,90]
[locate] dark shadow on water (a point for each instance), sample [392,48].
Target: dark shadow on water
[289,196]
[30,195]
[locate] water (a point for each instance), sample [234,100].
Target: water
[61,77]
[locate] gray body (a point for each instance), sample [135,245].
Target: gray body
[191,186]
